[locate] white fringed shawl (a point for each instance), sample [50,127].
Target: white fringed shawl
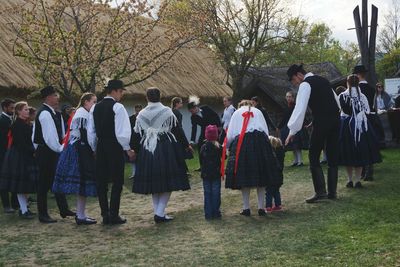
[360,108]
[153,121]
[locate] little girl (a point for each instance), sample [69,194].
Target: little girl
[272,190]
[210,155]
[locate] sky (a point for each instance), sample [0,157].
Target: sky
[337,14]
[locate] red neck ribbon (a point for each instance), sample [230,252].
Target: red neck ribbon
[9,139]
[66,138]
[247,115]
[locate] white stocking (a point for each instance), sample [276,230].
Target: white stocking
[246,198]
[80,207]
[260,197]
[23,202]
[162,203]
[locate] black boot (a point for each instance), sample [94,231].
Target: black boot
[332,182]
[63,206]
[319,185]
[115,200]
[369,173]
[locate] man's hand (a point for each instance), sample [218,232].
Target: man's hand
[289,139]
[190,148]
[131,155]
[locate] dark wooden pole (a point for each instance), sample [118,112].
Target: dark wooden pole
[367,45]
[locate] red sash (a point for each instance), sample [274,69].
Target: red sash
[66,138]
[247,115]
[9,139]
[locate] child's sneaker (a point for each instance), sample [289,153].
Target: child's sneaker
[268,209]
[277,208]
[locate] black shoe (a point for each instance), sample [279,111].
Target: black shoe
[9,210]
[67,213]
[245,212]
[301,164]
[47,219]
[261,212]
[117,220]
[316,198]
[198,170]
[294,164]
[332,196]
[369,178]
[358,185]
[159,219]
[26,215]
[350,184]
[106,220]
[323,162]
[85,221]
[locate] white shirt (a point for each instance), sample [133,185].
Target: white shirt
[256,123]
[122,127]
[49,130]
[295,123]
[226,118]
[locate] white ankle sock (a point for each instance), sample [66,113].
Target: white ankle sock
[23,202]
[260,197]
[246,198]
[80,207]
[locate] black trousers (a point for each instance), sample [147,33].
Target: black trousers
[7,201]
[110,166]
[47,162]
[325,134]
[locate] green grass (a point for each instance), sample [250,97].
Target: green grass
[361,228]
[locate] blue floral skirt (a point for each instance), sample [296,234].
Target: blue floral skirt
[75,171]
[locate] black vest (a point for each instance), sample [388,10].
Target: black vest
[104,119]
[369,92]
[38,136]
[322,100]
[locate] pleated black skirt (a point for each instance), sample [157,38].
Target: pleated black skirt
[161,171]
[257,165]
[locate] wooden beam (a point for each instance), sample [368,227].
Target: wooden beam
[358,28]
[364,36]
[372,44]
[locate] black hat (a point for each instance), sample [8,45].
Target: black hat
[48,90]
[359,69]
[293,70]
[114,85]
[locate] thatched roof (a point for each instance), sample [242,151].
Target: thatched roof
[274,82]
[191,71]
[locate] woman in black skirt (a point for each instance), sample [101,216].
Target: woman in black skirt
[358,142]
[75,173]
[176,105]
[300,139]
[251,162]
[160,163]
[19,172]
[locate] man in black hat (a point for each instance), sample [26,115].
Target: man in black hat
[8,106]
[109,135]
[317,93]
[369,92]
[201,116]
[48,134]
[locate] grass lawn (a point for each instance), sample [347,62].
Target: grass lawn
[361,228]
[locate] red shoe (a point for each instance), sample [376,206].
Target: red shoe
[268,209]
[277,208]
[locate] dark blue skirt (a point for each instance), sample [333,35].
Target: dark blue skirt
[163,171]
[19,173]
[257,166]
[75,171]
[300,141]
[357,154]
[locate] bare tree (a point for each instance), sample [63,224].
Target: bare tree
[79,44]
[237,31]
[390,32]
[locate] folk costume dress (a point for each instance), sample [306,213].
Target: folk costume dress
[160,162]
[251,161]
[19,173]
[75,173]
[358,141]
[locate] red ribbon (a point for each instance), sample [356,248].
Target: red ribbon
[66,138]
[222,170]
[9,139]
[247,115]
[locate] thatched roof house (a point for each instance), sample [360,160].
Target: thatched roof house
[191,71]
[271,83]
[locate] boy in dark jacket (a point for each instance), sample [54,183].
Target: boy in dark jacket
[210,162]
[272,191]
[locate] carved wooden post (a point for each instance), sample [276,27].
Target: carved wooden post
[367,47]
